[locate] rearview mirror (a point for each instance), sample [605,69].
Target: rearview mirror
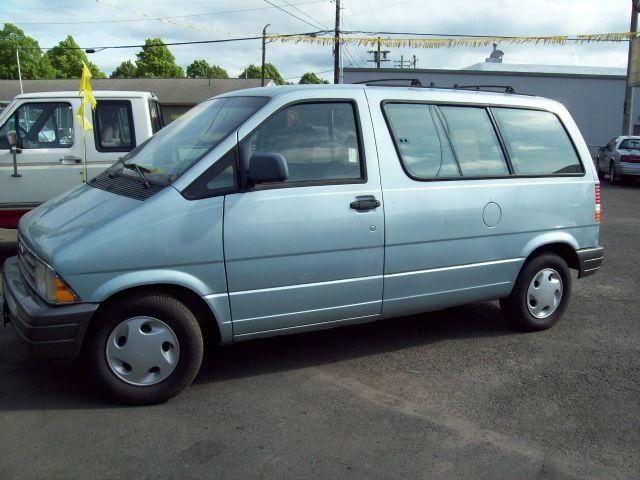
[267,168]
[12,137]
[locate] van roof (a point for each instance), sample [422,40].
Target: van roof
[398,92]
[96,94]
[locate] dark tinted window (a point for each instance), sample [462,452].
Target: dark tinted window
[41,125]
[474,141]
[537,142]
[319,141]
[113,126]
[420,139]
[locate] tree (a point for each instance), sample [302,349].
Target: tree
[32,63]
[156,61]
[202,69]
[126,69]
[311,77]
[270,71]
[67,58]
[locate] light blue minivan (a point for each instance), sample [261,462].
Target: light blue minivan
[279,210]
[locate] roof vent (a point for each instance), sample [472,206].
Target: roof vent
[496,55]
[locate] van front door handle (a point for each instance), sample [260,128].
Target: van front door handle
[366,202]
[69,159]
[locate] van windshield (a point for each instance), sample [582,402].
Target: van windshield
[174,149]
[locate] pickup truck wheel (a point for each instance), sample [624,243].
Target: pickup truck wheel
[540,295]
[145,349]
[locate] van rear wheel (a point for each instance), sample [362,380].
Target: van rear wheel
[144,349]
[541,294]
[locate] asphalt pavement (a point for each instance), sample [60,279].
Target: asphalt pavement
[450,394]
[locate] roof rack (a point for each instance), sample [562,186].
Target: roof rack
[413,82]
[506,88]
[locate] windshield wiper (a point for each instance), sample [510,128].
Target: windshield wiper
[140,170]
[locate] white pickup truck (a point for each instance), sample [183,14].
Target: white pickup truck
[47,157]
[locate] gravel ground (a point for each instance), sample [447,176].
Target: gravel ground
[451,394]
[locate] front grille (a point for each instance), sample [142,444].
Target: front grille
[27,262]
[124,185]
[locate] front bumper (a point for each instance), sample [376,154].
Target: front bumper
[51,332]
[589,260]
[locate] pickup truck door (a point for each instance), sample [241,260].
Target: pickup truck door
[308,251]
[49,160]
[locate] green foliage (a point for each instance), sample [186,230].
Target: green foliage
[32,63]
[67,57]
[311,77]
[156,61]
[126,69]
[254,71]
[202,69]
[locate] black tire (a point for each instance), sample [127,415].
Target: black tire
[162,307]
[515,306]
[614,178]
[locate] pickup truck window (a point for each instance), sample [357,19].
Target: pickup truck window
[319,141]
[40,125]
[113,126]
[537,142]
[175,148]
[420,140]
[155,115]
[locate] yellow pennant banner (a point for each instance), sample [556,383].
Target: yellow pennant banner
[448,42]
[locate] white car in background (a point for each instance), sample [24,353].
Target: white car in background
[619,159]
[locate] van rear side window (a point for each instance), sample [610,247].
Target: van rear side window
[421,142]
[537,142]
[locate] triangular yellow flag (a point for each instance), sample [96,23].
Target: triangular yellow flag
[87,97]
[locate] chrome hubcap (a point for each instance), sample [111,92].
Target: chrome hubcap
[142,351]
[545,293]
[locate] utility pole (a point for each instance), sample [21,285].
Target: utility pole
[627,124]
[379,55]
[264,52]
[19,72]
[336,46]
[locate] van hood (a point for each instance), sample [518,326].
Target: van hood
[67,217]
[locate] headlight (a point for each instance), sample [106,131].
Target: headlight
[51,287]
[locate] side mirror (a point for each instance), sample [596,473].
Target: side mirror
[12,136]
[267,168]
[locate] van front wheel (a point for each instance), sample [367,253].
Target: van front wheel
[541,294]
[144,349]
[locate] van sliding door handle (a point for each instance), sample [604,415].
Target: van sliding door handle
[367,202]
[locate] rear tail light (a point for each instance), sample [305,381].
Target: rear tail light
[630,158]
[598,211]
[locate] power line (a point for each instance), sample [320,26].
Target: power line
[322,25]
[163,18]
[279,7]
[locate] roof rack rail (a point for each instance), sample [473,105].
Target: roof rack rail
[506,88]
[413,82]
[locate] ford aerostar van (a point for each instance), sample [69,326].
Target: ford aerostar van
[278,210]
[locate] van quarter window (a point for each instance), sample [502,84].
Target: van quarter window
[319,141]
[474,140]
[537,142]
[420,139]
[113,126]
[40,125]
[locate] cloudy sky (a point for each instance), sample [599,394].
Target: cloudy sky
[95,24]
